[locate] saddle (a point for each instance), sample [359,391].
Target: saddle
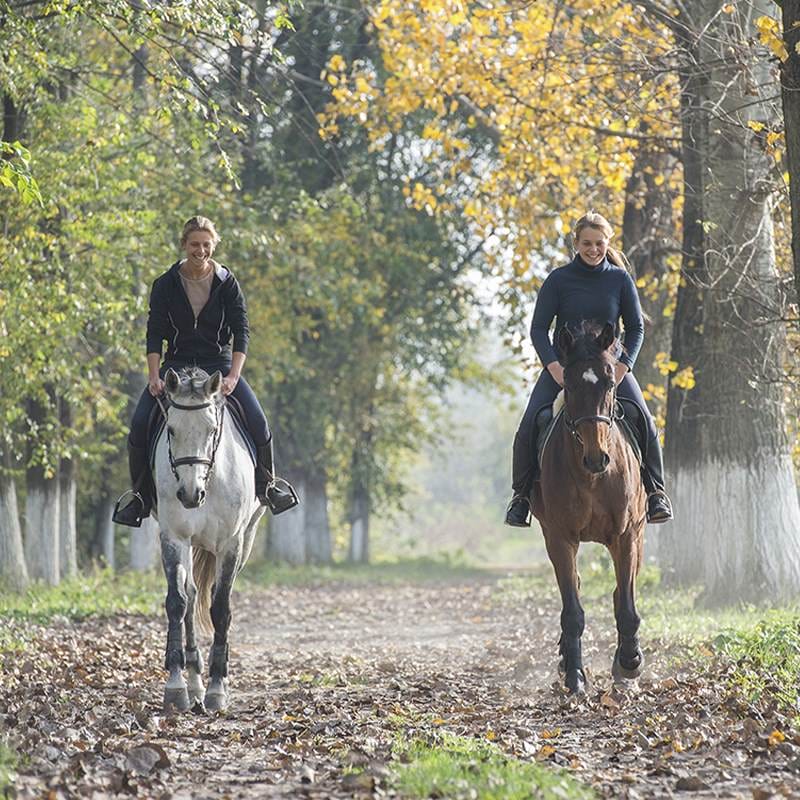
[631,428]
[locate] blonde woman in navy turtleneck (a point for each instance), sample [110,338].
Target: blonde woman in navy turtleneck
[594,286]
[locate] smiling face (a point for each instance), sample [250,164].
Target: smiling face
[199,247]
[592,245]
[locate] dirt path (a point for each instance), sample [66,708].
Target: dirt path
[325,678]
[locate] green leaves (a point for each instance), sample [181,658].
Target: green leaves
[15,172]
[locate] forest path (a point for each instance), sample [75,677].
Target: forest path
[325,679]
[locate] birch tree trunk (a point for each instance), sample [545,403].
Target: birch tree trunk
[737,525]
[13,571]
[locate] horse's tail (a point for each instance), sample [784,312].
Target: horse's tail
[204,568]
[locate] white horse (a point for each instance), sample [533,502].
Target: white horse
[207,513]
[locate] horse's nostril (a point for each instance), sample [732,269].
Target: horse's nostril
[181,494]
[201,496]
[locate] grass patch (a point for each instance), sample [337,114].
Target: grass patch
[8,764]
[416,570]
[99,593]
[767,657]
[456,766]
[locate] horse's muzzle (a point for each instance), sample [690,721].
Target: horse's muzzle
[597,466]
[194,500]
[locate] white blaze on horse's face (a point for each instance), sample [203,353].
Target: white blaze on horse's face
[590,376]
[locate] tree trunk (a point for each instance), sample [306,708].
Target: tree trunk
[68,533]
[144,546]
[42,507]
[67,476]
[13,572]
[318,533]
[286,539]
[647,239]
[103,545]
[359,527]
[737,526]
[790,92]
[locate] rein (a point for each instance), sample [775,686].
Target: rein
[190,460]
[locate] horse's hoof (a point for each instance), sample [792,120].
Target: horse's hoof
[621,672]
[575,682]
[176,700]
[198,707]
[217,701]
[562,666]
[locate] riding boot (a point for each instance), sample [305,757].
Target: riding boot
[659,507]
[276,493]
[141,501]
[525,470]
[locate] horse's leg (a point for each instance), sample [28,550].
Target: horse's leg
[194,661]
[174,558]
[627,554]
[217,692]
[563,558]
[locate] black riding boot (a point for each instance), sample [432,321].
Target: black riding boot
[525,470]
[274,492]
[659,507]
[141,501]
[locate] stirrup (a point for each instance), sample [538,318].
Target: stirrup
[666,514]
[283,503]
[527,521]
[137,522]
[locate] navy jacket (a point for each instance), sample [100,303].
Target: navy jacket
[577,292]
[207,338]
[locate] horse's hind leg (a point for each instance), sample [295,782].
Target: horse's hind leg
[217,692]
[194,661]
[563,558]
[174,557]
[627,555]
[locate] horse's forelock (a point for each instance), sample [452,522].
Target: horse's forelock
[586,347]
[191,383]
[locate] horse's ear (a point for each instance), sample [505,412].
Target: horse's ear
[213,383]
[171,380]
[565,342]
[606,337]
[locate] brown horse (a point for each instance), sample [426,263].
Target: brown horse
[591,491]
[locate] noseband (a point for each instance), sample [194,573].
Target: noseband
[180,462]
[572,424]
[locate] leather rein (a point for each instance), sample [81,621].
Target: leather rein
[191,460]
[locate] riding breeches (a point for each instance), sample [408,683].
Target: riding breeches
[254,414]
[524,465]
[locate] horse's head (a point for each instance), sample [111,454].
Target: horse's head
[193,430]
[588,357]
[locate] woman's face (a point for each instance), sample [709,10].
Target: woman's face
[199,247]
[592,246]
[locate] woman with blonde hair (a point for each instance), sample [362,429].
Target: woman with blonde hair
[198,308]
[595,285]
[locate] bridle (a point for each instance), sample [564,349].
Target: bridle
[190,460]
[572,424]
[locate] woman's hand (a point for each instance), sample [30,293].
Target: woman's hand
[229,382]
[155,385]
[620,371]
[557,371]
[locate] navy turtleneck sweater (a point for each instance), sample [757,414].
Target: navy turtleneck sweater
[577,292]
